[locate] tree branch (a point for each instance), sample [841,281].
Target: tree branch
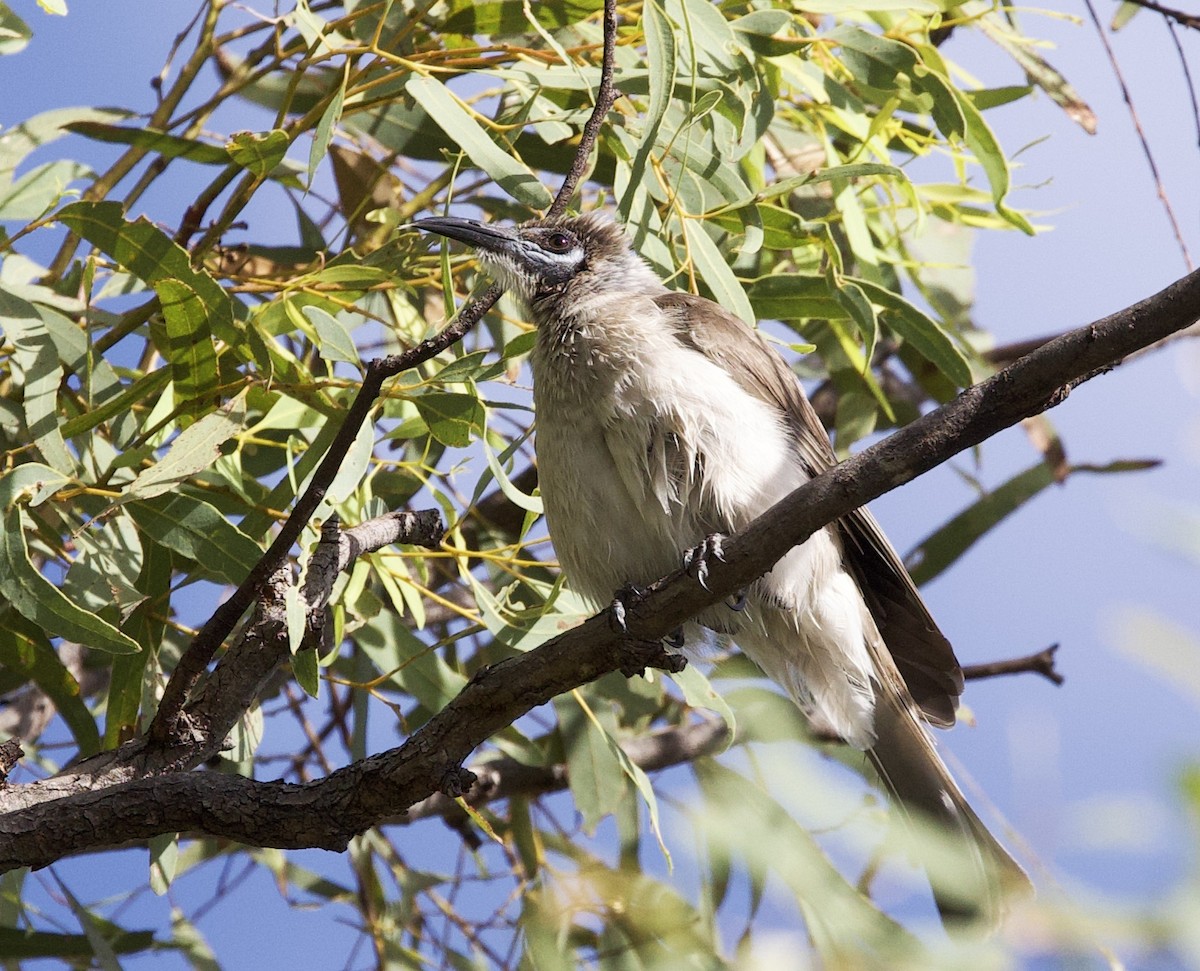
[329,811]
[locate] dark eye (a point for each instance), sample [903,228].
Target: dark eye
[559,242]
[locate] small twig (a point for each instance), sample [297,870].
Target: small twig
[1137,125]
[606,95]
[1173,29]
[504,778]
[1040,663]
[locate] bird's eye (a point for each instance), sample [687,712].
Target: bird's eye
[559,242]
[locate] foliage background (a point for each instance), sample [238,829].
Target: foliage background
[1085,773]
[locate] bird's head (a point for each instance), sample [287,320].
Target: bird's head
[552,261]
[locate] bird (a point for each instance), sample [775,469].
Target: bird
[664,422]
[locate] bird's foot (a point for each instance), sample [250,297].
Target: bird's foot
[737,603]
[695,560]
[636,654]
[624,600]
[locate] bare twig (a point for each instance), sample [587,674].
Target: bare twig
[1040,663]
[504,778]
[1137,125]
[606,95]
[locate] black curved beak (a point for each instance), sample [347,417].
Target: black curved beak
[495,239]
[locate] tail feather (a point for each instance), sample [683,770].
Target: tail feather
[914,774]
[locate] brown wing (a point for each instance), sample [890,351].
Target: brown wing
[922,654]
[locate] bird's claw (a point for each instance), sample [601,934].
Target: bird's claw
[737,603]
[676,639]
[695,560]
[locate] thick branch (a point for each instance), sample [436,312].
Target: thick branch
[328,812]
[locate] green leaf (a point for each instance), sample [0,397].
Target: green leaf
[19,141]
[452,418]
[258,152]
[40,601]
[532,504]
[25,652]
[509,173]
[196,530]
[164,859]
[152,140]
[336,344]
[793,296]
[743,821]
[14,32]
[354,466]
[859,309]
[40,189]
[16,944]
[947,543]
[411,665]
[147,625]
[195,307]
[143,389]
[715,270]
[921,331]
[324,131]
[506,17]
[1125,13]
[189,349]
[194,450]
[37,356]
[33,481]
[983,144]
[698,692]
[469,367]
[307,671]
[593,770]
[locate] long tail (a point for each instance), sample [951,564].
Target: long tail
[984,875]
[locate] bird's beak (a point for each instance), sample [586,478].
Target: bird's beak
[491,239]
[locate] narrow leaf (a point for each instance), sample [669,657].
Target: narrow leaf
[194,450]
[324,132]
[152,140]
[27,653]
[508,171]
[452,418]
[196,530]
[37,599]
[713,266]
